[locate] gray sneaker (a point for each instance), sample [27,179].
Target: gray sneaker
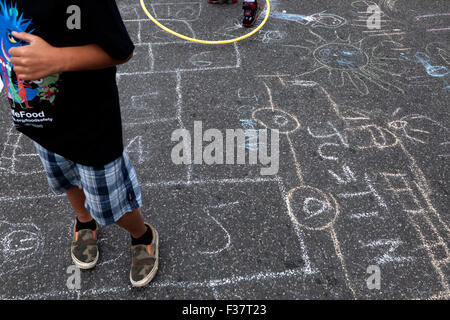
[144,264]
[84,249]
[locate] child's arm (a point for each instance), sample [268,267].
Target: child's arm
[39,59]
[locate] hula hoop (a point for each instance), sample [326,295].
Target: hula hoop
[207,41]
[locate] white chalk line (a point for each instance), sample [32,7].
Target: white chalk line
[208,181]
[298,231]
[167,184]
[44,196]
[8,160]
[179,114]
[364,215]
[178,70]
[233,280]
[227,245]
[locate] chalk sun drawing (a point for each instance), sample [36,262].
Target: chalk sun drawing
[348,62]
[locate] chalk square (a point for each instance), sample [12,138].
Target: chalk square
[142,60]
[213,232]
[191,57]
[146,97]
[151,33]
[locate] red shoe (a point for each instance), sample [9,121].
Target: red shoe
[221,1]
[250,13]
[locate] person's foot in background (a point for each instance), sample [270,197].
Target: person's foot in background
[250,10]
[221,1]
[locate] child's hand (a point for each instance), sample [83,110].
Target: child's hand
[36,60]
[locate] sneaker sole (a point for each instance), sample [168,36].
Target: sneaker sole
[152,273]
[84,265]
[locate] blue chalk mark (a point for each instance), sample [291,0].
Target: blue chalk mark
[437,71]
[322,19]
[345,62]
[290,17]
[432,70]
[349,53]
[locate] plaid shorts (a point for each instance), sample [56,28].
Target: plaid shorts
[111,190]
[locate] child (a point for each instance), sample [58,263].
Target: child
[250,10]
[58,66]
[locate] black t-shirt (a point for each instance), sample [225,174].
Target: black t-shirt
[73,114]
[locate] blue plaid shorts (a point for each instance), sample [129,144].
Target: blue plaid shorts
[111,190]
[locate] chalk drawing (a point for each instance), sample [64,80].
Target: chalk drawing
[348,176]
[202,59]
[135,146]
[390,29]
[355,63]
[389,4]
[389,255]
[272,36]
[420,216]
[188,11]
[12,155]
[156,42]
[361,132]
[371,192]
[308,208]
[276,119]
[228,238]
[410,126]
[423,217]
[433,70]
[251,142]
[21,246]
[230,29]
[419,67]
[317,20]
[428,17]
[308,202]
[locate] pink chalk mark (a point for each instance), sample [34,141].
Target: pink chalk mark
[433,15]
[439,29]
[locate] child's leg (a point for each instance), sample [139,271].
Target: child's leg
[133,223]
[77,198]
